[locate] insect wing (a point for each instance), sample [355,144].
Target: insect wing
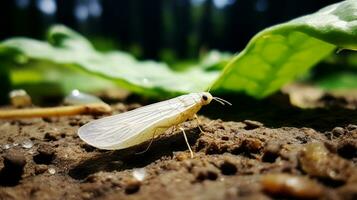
[107,132]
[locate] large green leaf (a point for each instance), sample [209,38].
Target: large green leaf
[278,54]
[272,58]
[67,48]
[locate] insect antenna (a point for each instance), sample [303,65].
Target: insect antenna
[221,101]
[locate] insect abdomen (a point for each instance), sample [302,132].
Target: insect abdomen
[159,127]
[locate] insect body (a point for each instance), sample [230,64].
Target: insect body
[142,124]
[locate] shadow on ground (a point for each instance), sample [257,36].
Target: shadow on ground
[132,158]
[276,111]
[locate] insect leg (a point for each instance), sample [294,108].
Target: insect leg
[188,144]
[152,140]
[199,123]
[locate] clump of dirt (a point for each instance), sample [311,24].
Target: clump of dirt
[249,153]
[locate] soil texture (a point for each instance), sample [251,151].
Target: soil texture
[251,150]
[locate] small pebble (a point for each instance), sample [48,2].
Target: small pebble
[27,144]
[291,186]
[351,127]
[317,161]
[46,149]
[7,146]
[77,98]
[14,159]
[12,169]
[139,174]
[19,98]
[250,124]
[338,131]
[45,154]
[51,170]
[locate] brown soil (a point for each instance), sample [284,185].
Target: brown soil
[289,153]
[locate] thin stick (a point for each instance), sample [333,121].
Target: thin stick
[188,144]
[93,108]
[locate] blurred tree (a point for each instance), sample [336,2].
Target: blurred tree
[65,13]
[151,16]
[7,26]
[179,27]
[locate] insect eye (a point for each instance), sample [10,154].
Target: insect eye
[204,97]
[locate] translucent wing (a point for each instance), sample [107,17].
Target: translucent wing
[109,132]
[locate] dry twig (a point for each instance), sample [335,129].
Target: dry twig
[93,108]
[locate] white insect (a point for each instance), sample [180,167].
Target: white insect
[142,124]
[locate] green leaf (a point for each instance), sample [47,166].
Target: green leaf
[279,54]
[67,48]
[47,79]
[273,57]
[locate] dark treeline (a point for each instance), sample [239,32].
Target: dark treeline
[181,28]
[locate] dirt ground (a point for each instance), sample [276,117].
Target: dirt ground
[251,150]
